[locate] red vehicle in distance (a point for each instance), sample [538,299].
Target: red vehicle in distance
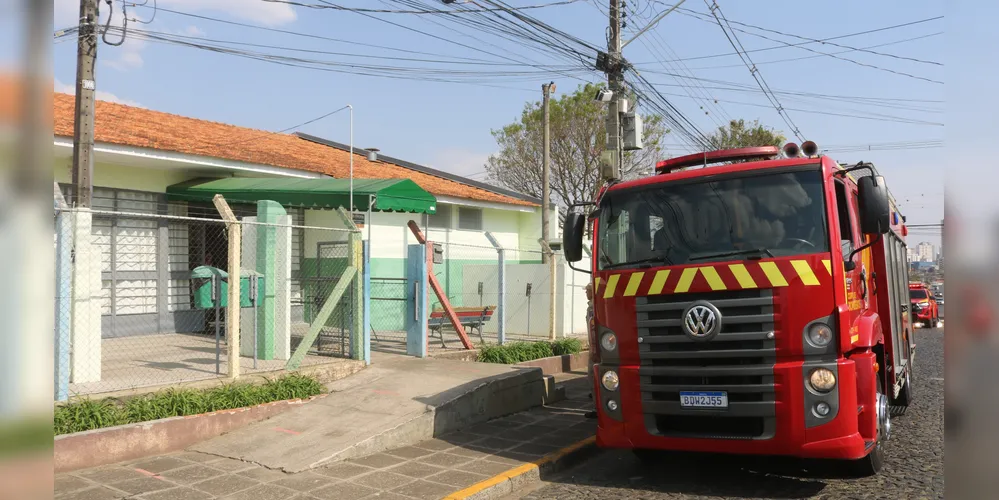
[925,310]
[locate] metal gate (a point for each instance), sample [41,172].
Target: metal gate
[334,334]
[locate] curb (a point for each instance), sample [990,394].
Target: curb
[514,479]
[108,445]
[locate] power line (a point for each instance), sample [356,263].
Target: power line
[301,34]
[821,40]
[801,46]
[828,42]
[690,86]
[331,6]
[734,41]
[911,39]
[871,116]
[442,75]
[745,87]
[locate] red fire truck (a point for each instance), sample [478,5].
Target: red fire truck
[754,307]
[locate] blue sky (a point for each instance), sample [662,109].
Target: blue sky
[448,125]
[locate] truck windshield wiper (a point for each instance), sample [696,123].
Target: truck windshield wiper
[643,263]
[731,254]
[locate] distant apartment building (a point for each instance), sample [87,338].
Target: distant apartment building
[925,253]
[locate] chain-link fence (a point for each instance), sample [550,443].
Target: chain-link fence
[469,276]
[142,293]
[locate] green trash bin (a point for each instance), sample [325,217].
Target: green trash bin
[202,281]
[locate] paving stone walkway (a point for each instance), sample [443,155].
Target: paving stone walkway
[428,470]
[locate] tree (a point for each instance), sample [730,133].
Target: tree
[740,135]
[578,136]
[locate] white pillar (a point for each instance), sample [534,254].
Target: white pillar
[282,290]
[85,362]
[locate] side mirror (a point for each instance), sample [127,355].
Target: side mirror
[572,236]
[875,212]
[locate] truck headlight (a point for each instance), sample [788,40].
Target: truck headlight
[820,334]
[822,379]
[608,341]
[610,380]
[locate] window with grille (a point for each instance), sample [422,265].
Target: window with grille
[441,219]
[470,218]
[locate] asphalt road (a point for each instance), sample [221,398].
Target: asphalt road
[914,468]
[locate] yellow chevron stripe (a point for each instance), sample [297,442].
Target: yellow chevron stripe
[805,272]
[773,274]
[742,275]
[714,280]
[686,279]
[828,265]
[659,282]
[596,286]
[611,285]
[633,283]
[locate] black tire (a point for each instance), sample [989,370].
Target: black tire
[875,460]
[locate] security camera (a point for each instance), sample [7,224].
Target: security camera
[604,95]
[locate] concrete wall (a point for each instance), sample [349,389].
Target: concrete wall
[573,313]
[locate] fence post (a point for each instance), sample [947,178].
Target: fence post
[232,312]
[416,310]
[64,302]
[501,302]
[552,282]
[366,328]
[85,336]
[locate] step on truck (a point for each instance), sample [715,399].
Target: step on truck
[755,307]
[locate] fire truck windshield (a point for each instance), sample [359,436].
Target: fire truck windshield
[731,217]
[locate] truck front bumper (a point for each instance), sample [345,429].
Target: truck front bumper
[793,432]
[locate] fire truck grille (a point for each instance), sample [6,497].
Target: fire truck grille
[738,361]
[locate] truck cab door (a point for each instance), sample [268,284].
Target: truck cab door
[850,239]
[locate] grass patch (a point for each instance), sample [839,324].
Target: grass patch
[518,352]
[89,414]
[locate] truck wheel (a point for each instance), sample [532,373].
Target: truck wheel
[872,463]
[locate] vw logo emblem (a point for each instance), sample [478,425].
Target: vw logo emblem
[702,321]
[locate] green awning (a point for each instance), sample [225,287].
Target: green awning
[399,195]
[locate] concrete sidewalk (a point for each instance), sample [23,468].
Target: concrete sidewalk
[398,400]
[464,462]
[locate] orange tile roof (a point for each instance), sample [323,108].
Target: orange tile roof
[139,127]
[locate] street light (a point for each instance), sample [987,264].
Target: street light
[351,202]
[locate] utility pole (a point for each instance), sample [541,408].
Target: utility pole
[611,166]
[547,89]
[83,128]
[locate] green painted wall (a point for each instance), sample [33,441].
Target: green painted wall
[388,312]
